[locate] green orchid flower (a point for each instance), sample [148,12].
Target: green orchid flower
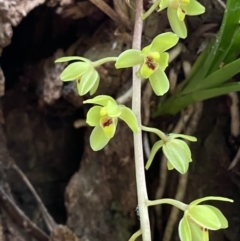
[153,60]
[104,117]
[176,151]
[176,12]
[83,72]
[198,219]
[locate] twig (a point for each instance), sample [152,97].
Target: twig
[51,224]
[20,218]
[222,3]
[137,137]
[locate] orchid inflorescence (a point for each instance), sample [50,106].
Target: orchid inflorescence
[104,115]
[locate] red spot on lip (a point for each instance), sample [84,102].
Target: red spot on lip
[150,64]
[107,123]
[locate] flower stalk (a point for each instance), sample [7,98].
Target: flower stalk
[138,150]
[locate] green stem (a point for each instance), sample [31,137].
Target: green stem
[150,10]
[103,61]
[161,134]
[135,235]
[177,204]
[137,137]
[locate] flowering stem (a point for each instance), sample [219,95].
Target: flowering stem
[137,137]
[177,204]
[103,61]
[150,10]
[162,135]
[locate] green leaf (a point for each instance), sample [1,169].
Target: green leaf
[193,8]
[159,82]
[184,230]
[70,58]
[129,58]
[98,139]
[73,71]
[154,150]
[177,26]
[99,100]
[197,201]
[221,218]
[222,75]
[204,216]
[186,137]
[87,81]
[129,118]
[178,154]
[93,116]
[162,42]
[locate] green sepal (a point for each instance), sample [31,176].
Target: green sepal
[163,4]
[113,109]
[184,230]
[98,139]
[129,58]
[129,118]
[178,154]
[93,116]
[204,216]
[193,8]
[186,137]
[95,86]
[70,58]
[163,61]
[212,198]
[220,216]
[196,231]
[177,26]
[73,71]
[161,43]
[87,81]
[99,100]
[159,82]
[154,150]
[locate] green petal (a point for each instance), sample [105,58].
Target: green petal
[177,26]
[163,61]
[162,42]
[113,109]
[93,116]
[95,86]
[110,129]
[194,8]
[178,154]
[163,4]
[99,100]
[196,231]
[169,166]
[87,81]
[73,71]
[221,218]
[204,216]
[129,118]
[154,150]
[98,139]
[129,58]
[181,14]
[70,58]
[159,82]
[184,230]
[197,201]
[186,137]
